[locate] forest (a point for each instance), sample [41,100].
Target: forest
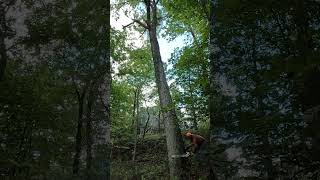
[159,89]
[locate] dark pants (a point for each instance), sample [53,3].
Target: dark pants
[204,161]
[202,155]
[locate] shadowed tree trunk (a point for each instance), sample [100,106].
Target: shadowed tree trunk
[213,59]
[193,109]
[3,32]
[159,121]
[136,123]
[136,133]
[76,158]
[145,129]
[102,149]
[89,136]
[137,111]
[5,5]
[134,108]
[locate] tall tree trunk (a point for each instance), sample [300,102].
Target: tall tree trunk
[76,159]
[3,50]
[193,110]
[89,136]
[137,127]
[135,145]
[213,59]
[159,121]
[174,140]
[145,129]
[137,115]
[136,133]
[134,107]
[102,149]
[267,162]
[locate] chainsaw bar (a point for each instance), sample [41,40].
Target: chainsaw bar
[181,155]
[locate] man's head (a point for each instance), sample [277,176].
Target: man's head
[188,134]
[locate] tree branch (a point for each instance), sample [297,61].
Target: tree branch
[125,26]
[138,22]
[141,23]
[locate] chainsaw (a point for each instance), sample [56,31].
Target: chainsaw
[187,154]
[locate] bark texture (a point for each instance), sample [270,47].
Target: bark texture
[159,122]
[173,134]
[213,60]
[146,128]
[76,158]
[136,123]
[3,50]
[102,149]
[89,136]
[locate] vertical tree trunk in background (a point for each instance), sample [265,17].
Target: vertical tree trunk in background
[173,134]
[89,136]
[193,110]
[135,145]
[136,133]
[137,110]
[76,159]
[267,162]
[159,121]
[136,127]
[134,108]
[145,129]
[3,50]
[213,59]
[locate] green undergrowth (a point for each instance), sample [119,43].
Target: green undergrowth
[151,159]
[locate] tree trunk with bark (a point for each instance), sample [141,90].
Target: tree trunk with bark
[145,129]
[134,108]
[76,159]
[174,140]
[136,127]
[3,50]
[213,59]
[159,121]
[137,111]
[102,149]
[193,109]
[89,136]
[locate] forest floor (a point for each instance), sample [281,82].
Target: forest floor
[150,163]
